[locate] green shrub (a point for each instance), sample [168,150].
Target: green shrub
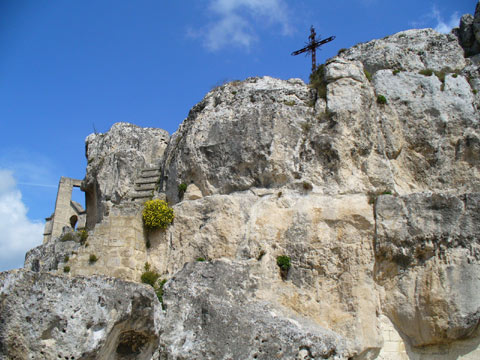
[159,292]
[69,236]
[306,127]
[92,259]
[66,258]
[342,50]
[367,75]
[181,189]
[283,262]
[396,71]
[83,236]
[475,91]
[66,269]
[382,100]
[150,277]
[317,81]
[289,103]
[201,259]
[426,72]
[307,186]
[157,214]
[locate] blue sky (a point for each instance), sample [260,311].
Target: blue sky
[69,68]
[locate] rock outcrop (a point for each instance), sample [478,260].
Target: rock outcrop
[469,32]
[45,316]
[115,160]
[369,185]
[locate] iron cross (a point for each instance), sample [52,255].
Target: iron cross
[312,46]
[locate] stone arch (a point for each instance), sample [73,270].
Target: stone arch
[73,221]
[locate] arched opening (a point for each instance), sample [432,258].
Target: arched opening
[73,221]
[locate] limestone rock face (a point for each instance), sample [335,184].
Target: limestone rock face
[329,241]
[51,317]
[428,260]
[270,133]
[410,50]
[203,295]
[114,162]
[242,134]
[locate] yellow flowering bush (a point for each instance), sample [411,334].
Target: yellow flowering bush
[157,214]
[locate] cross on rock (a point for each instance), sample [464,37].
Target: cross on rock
[312,46]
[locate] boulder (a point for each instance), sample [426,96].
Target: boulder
[44,316]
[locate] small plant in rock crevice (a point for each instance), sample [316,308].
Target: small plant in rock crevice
[92,258]
[307,186]
[150,277]
[283,262]
[317,81]
[83,236]
[66,269]
[367,75]
[382,100]
[69,236]
[181,190]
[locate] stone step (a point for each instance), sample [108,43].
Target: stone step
[150,172]
[145,186]
[142,194]
[148,180]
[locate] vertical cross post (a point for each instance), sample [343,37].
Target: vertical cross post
[312,44]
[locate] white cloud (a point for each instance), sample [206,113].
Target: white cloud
[236,20]
[17,233]
[442,26]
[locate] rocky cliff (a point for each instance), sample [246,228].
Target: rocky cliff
[369,184]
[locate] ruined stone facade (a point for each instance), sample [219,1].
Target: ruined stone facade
[68,213]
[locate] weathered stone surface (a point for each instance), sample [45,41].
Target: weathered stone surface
[192,193]
[410,50]
[44,316]
[114,161]
[241,135]
[428,261]
[476,23]
[54,254]
[213,312]
[352,145]
[328,238]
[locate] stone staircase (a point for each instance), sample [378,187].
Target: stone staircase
[146,183]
